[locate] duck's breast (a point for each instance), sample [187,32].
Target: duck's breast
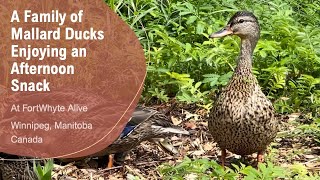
[242,119]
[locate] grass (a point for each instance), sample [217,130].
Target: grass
[43,172]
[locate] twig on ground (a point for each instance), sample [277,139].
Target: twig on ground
[109,169]
[133,171]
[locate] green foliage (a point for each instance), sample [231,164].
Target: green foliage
[312,130]
[45,172]
[206,169]
[184,63]
[201,168]
[268,172]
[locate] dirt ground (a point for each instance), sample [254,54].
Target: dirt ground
[144,160]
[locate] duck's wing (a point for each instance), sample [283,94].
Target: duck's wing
[162,124]
[147,117]
[139,115]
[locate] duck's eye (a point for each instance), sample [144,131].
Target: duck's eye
[241,21]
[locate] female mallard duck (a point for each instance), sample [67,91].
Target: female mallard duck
[243,119]
[145,124]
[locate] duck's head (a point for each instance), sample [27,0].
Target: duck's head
[243,24]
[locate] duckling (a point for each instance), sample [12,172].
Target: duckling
[146,124]
[243,119]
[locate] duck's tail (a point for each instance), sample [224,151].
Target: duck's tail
[162,124]
[171,130]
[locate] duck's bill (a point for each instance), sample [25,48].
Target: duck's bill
[223,32]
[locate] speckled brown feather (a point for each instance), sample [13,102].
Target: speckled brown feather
[19,170]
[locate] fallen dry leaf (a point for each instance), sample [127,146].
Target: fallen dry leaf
[190,115]
[284,98]
[310,165]
[191,176]
[204,123]
[175,120]
[191,125]
[198,152]
[309,156]
[196,142]
[208,146]
[294,116]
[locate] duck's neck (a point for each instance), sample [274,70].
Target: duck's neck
[244,64]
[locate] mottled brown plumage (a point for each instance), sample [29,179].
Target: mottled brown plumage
[243,119]
[146,124]
[19,170]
